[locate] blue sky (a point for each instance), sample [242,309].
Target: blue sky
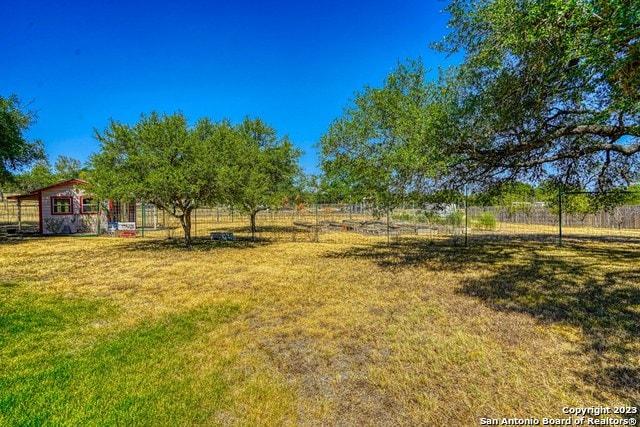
[295,64]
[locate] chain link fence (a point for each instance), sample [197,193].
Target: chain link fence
[456,223]
[573,217]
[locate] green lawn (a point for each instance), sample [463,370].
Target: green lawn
[103,331]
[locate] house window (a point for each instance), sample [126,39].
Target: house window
[88,205]
[61,205]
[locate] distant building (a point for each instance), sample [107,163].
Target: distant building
[441,209]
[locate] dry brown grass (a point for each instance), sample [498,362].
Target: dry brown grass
[365,334]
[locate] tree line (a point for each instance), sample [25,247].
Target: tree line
[547,94]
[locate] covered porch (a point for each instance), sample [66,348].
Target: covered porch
[20,214]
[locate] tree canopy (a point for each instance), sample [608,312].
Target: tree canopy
[258,170]
[42,174]
[177,167]
[160,160]
[15,151]
[67,167]
[546,88]
[385,145]
[547,91]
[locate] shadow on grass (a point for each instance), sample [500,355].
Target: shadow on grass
[16,239]
[570,292]
[265,235]
[197,244]
[438,254]
[593,288]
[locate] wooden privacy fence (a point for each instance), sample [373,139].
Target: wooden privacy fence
[618,217]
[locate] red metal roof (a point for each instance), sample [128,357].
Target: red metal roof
[33,195]
[23,197]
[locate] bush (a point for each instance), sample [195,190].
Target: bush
[405,216]
[416,217]
[455,218]
[487,221]
[428,216]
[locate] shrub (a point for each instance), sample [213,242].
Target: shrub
[404,216]
[455,218]
[428,216]
[487,221]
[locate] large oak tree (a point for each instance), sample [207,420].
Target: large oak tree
[547,87]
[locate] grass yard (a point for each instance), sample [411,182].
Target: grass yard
[100,331]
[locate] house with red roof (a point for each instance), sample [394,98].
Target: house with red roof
[65,208]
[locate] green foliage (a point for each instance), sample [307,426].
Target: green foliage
[547,87]
[607,201]
[178,168]
[404,216]
[42,174]
[67,168]
[54,378]
[579,202]
[633,197]
[509,195]
[385,146]
[516,197]
[429,217]
[455,219]
[160,160]
[486,221]
[259,169]
[15,151]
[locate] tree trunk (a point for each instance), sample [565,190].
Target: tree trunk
[185,221]
[253,225]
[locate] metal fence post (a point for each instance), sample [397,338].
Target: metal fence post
[20,215]
[466,217]
[316,227]
[388,227]
[98,219]
[560,217]
[144,216]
